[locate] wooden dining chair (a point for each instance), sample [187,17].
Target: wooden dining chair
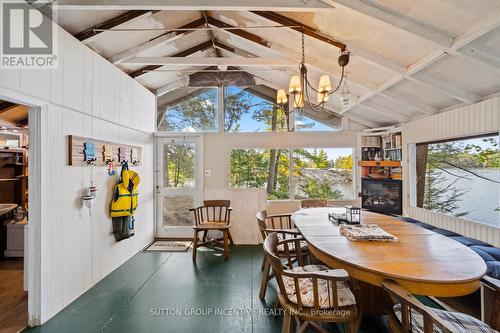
[411,315]
[214,215]
[491,292]
[311,294]
[311,203]
[281,224]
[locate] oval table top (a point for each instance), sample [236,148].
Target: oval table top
[421,261]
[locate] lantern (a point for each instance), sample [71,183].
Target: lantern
[353,214]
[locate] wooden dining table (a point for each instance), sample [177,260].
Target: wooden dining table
[421,261]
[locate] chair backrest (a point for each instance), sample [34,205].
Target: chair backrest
[293,279]
[410,303]
[491,297]
[213,211]
[311,203]
[281,221]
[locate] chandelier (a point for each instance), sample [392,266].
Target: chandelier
[300,86]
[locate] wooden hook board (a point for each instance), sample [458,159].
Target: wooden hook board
[76,155]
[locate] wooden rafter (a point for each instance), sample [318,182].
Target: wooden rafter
[163,38]
[298,26]
[86,35]
[396,19]
[197,48]
[239,32]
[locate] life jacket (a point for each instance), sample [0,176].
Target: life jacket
[125,195]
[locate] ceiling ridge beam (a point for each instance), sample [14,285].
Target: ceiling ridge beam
[396,19]
[89,34]
[166,37]
[185,53]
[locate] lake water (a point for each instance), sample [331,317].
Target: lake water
[481,197]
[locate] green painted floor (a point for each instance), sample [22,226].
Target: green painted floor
[166,292]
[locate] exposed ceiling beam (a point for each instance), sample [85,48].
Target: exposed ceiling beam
[271,5]
[90,33]
[285,52]
[410,101]
[384,112]
[481,28]
[446,88]
[192,50]
[309,31]
[356,50]
[163,38]
[396,19]
[477,54]
[211,61]
[239,32]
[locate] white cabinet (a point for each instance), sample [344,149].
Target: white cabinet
[15,240]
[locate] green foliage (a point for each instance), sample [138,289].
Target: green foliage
[196,113]
[449,162]
[343,162]
[250,169]
[179,165]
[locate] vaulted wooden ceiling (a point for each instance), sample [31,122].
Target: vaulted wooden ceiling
[409,58]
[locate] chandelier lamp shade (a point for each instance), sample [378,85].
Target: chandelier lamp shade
[300,87]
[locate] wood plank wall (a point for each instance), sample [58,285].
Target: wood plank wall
[86,96]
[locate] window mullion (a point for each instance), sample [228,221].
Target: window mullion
[221,106]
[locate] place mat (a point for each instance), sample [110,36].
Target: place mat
[366,232]
[169,246]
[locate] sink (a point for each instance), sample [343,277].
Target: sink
[7,207]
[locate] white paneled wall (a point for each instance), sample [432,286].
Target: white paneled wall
[87,96]
[247,202]
[476,119]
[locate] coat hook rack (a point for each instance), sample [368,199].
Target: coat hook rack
[84,151]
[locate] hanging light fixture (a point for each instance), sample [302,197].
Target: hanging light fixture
[300,86]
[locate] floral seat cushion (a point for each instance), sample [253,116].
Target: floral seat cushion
[461,322]
[325,290]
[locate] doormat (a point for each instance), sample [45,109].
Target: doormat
[170,246]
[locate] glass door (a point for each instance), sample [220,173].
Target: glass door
[179,184]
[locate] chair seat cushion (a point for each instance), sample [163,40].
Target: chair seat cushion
[461,322]
[291,245]
[325,292]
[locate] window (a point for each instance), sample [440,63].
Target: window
[179,165]
[308,122]
[325,173]
[460,178]
[261,168]
[251,109]
[188,110]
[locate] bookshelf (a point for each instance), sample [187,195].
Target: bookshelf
[379,173]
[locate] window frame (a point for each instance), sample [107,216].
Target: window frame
[218,114]
[221,114]
[412,173]
[291,184]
